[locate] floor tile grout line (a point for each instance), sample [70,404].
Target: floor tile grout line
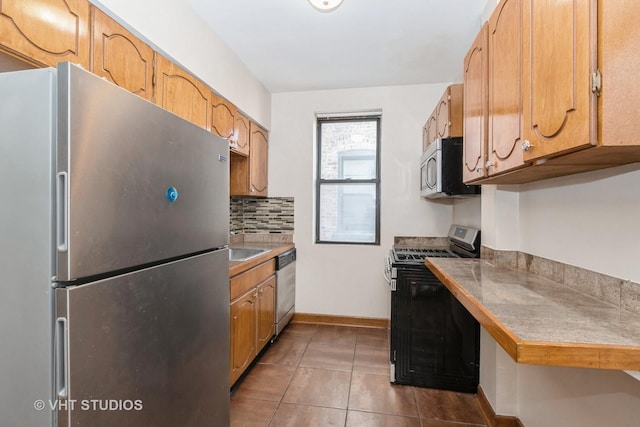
[288,384]
[415,401]
[353,362]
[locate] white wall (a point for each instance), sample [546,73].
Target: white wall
[173,28]
[347,279]
[588,220]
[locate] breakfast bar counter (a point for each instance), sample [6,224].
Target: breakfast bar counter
[538,321]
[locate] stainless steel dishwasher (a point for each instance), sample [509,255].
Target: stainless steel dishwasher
[285,288]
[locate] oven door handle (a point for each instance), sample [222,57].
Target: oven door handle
[387,270]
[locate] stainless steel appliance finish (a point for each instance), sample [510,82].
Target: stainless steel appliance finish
[463,242]
[27,252]
[168,355]
[116,160]
[117,291]
[285,288]
[441,171]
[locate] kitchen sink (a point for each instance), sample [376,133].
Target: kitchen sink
[244,254]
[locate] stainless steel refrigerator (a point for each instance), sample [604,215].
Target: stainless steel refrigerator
[114,227]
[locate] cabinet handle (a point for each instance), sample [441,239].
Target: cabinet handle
[526,145]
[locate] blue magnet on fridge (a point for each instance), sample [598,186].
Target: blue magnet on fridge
[172,194]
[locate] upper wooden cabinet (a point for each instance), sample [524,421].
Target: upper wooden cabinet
[259,159]
[45,32]
[559,59]
[249,175]
[241,128]
[181,93]
[223,117]
[475,108]
[563,93]
[448,113]
[429,131]
[120,57]
[446,119]
[504,140]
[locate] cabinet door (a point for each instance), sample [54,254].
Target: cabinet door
[259,158]
[46,32]
[120,57]
[449,113]
[181,93]
[243,333]
[504,145]
[266,308]
[223,117]
[475,108]
[241,134]
[559,56]
[619,44]
[429,132]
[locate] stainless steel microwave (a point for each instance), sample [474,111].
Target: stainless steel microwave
[441,171]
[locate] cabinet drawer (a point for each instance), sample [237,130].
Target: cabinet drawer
[249,279]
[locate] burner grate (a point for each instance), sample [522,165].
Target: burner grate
[417,255]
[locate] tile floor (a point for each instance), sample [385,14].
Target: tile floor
[319,375]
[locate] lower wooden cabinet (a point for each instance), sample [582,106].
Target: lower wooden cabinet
[266,315]
[243,333]
[252,316]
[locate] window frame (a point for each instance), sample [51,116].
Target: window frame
[320,120]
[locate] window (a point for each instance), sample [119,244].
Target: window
[348,180]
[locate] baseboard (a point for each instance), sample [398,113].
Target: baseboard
[490,416]
[325,319]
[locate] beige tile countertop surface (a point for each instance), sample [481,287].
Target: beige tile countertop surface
[539,321]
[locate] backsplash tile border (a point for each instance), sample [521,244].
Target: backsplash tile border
[621,293]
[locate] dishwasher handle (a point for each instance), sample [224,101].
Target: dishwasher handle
[285,259]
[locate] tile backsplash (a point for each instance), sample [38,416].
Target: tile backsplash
[273,215]
[619,292]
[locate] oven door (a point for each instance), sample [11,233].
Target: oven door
[431,171]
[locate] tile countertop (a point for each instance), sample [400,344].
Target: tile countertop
[541,322]
[275,249]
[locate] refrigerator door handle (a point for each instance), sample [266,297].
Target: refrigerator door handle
[61,356]
[62,210]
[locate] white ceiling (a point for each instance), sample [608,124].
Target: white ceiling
[290,46]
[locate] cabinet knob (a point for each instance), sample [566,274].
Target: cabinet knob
[526,145]
[489,164]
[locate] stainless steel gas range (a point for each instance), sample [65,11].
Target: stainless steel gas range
[434,339]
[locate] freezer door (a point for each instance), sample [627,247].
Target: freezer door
[149,348]
[135,184]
